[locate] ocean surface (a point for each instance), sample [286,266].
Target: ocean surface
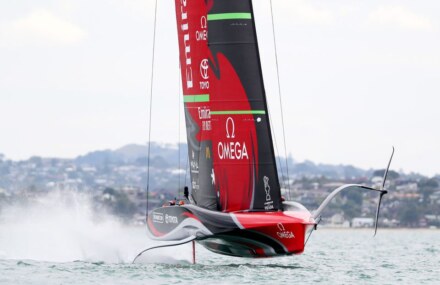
[332,256]
[64,239]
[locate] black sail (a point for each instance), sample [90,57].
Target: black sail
[232,33]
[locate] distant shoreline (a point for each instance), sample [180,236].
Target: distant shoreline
[379,229]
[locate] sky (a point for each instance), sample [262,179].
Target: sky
[357,77]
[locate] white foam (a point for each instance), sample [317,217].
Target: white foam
[63,227]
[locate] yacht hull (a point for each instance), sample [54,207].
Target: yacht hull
[241,234]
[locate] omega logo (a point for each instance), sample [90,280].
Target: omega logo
[232,149]
[203,22]
[283,233]
[230,128]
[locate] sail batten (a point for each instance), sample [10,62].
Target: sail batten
[229,16]
[239,112]
[196,98]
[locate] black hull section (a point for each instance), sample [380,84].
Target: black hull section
[179,222]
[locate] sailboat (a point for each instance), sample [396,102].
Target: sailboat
[235,206]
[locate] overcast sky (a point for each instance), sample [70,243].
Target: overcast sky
[356,78]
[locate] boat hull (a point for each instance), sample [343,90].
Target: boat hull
[241,234]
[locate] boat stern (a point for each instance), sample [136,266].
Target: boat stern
[174,223]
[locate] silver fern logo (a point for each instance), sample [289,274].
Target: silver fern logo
[267,188]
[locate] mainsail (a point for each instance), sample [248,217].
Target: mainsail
[232,161]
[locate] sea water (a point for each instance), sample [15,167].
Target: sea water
[59,245]
[331,257]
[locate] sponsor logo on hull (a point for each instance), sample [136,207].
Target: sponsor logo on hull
[283,233]
[171,219]
[158,218]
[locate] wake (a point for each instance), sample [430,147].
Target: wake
[64,227]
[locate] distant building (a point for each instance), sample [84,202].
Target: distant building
[409,187]
[435,197]
[338,221]
[362,222]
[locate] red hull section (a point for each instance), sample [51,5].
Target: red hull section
[286,228]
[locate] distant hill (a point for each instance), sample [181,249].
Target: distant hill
[100,157]
[308,168]
[167,155]
[164,155]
